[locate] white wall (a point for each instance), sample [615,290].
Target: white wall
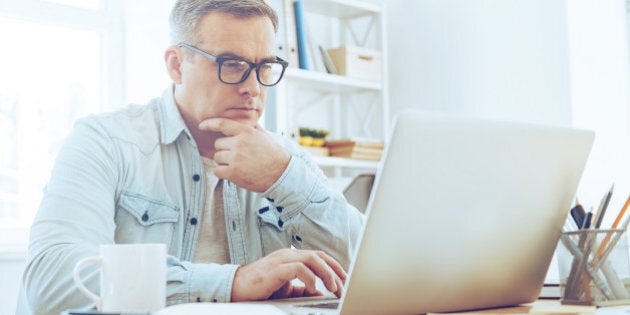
[546,61]
[598,51]
[505,59]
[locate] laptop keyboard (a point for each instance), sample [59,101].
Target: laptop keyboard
[326,305]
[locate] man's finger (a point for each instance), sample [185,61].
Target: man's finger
[225,143]
[334,265]
[225,126]
[323,271]
[339,291]
[298,270]
[284,292]
[222,157]
[322,265]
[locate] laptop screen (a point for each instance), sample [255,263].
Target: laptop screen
[465,213]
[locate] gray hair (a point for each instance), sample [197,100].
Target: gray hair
[186,14]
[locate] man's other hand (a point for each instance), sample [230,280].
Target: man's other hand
[271,276]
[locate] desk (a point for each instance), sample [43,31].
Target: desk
[539,307]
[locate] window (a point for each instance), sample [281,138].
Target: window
[87,4]
[55,69]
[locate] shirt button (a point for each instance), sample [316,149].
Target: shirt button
[280,223]
[193,221]
[279,209]
[196,177]
[145,216]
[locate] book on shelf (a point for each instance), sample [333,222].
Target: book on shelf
[328,63]
[358,142]
[290,29]
[365,149]
[300,31]
[360,156]
[317,151]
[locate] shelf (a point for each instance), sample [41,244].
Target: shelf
[343,9]
[329,82]
[345,105]
[327,161]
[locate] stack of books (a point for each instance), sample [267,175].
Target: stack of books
[356,149]
[317,151]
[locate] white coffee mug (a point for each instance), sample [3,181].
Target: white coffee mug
[133,277]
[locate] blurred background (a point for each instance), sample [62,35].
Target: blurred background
[554,62]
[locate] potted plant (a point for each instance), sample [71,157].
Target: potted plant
[306,138]
[319,137]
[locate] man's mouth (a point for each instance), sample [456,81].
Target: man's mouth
[245,108]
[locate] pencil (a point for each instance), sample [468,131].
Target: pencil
[621,214]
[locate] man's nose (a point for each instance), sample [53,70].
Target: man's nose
[251,85]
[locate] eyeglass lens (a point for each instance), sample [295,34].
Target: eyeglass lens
[235,71]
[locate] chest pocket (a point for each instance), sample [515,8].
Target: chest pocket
[140,219]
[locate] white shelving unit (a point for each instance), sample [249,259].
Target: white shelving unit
[346,106]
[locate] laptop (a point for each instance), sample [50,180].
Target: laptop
[465,213]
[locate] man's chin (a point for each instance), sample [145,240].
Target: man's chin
[250,120]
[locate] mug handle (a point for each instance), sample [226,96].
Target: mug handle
[77,279]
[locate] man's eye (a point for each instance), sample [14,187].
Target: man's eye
[235,65]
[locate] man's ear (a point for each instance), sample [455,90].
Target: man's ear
[173,58]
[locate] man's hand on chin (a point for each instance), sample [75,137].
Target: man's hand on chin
[247,156]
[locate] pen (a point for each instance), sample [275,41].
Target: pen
[602,207]
[587,222]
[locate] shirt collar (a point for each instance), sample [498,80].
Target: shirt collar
[171,119]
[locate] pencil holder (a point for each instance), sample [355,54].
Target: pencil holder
[594,267]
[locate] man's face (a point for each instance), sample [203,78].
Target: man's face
[201,95]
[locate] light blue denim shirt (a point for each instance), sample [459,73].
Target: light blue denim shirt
[136,176]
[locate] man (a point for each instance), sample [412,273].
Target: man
[194,170]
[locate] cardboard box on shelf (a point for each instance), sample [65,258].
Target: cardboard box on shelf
[358,62]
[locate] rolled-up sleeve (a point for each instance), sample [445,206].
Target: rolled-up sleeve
[188,282]
[316,216]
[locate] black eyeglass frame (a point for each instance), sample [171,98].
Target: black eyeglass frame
[252,65]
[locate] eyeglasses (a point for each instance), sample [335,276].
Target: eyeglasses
[234,70]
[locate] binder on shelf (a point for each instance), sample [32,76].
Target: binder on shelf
[300,31]
[290,39]
[281,40]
